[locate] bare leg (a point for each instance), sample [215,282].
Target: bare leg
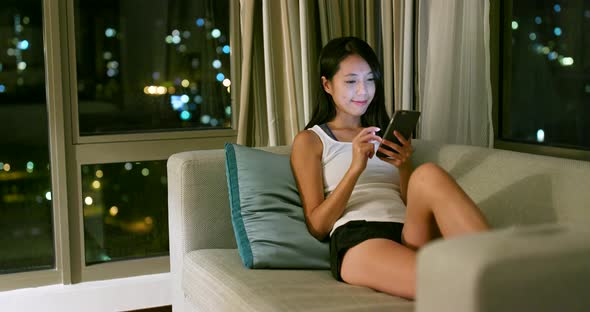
[437,205]
[383,265]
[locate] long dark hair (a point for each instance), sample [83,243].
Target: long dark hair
[329,63]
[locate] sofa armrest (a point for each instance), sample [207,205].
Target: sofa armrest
[531,268]
[198,208]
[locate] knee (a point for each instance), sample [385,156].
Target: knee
[428,173]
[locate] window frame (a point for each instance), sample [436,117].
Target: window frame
[69,151]
[121,148]
[500,14]
[57,159]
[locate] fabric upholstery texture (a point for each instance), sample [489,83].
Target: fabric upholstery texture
[513,188]
[219,282]
[266,212]
[537,268]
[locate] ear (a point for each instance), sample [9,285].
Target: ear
[327,84]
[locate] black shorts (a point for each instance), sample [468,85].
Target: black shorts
[353,233]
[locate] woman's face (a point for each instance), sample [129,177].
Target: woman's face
[353,86]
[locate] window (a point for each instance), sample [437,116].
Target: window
[107,90]
[545,74]
[143,67]
[26,219]
[146,73]
[152,65]
[123,215]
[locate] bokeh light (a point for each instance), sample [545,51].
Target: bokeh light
[185,115]
[110,32]
[540,135]
[205,119]
[533,36]
[23,45]
[88,200]
[567,61]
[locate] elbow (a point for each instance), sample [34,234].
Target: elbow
[321,236]
[316,231]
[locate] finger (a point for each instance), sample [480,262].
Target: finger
[389,153]
[372,129]
[368,149]
[393,146]
[392,161]
[367,138]
[368,134]
[401,138]
[368,130]
[365,148]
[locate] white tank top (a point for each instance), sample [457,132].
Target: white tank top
[375,196]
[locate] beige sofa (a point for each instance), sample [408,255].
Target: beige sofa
[536,259]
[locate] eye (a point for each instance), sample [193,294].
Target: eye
[350,81]
[371,79]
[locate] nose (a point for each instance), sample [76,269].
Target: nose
[361,88]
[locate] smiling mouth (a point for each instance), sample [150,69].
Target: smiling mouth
[360,102]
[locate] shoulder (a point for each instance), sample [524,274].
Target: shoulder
[307,141]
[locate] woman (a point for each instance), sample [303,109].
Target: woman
[377,211]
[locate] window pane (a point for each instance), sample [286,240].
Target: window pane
[125,213]
[26,230]
[152,65]
[549,73]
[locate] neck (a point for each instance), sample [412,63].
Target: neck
[341,122]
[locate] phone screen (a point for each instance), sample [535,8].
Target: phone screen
[404,122]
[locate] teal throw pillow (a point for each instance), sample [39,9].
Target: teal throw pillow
[266,212]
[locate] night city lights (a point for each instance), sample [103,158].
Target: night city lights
[548,77]
[158,72]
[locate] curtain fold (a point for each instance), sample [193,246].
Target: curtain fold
[281,41]
[249,118]
[453,64]
[398,62]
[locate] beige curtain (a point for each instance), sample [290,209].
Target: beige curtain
[280,44]
[454,71]
[397,32]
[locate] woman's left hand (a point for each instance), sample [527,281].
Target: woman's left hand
[404,151]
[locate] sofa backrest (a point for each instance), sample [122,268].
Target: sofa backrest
[513,188]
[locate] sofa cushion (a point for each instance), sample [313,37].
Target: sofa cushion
[266,212]
[214,280]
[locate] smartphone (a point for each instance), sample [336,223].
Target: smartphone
[404,122]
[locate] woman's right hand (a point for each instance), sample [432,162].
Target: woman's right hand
[363,148]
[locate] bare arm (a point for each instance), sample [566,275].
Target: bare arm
[306,162]
[402,160]
[405,171]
